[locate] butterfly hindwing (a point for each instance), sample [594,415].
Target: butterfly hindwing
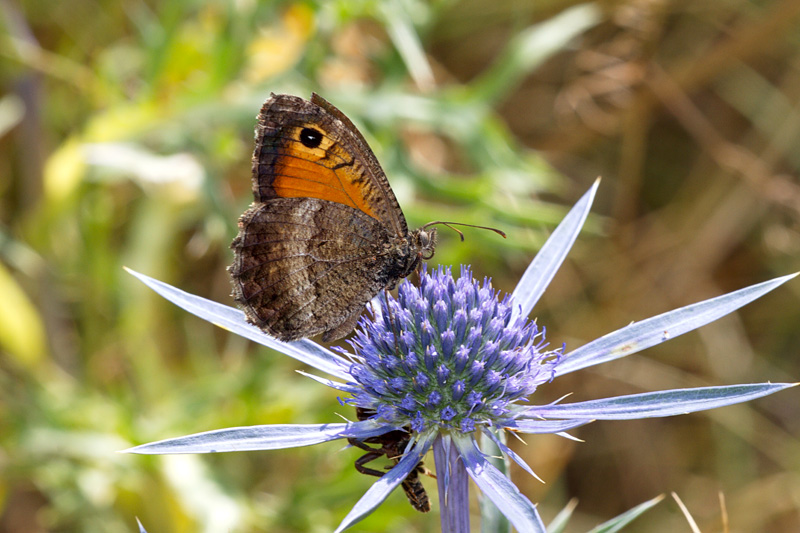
[300,264]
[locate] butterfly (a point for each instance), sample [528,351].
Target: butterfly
[325,233]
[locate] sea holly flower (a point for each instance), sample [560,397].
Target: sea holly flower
[452,359]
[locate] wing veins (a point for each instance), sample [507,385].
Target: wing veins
[306,267]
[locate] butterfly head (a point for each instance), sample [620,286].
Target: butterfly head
[424,240]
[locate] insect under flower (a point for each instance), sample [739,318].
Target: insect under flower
[452,361]
[392,445]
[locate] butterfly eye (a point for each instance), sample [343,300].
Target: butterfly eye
[310,138]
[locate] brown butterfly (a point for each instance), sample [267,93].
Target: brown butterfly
[325,233]
[392,445]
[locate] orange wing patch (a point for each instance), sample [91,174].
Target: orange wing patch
[302,161]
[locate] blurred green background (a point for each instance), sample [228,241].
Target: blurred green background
[125,139]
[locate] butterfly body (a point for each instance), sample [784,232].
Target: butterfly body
[325,233]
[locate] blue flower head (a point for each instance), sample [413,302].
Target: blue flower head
[447,355]
[452,360]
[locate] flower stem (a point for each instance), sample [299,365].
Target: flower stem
[451,478]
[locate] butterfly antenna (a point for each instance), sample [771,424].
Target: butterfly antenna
[460,234]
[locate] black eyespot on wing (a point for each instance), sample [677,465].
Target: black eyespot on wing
[310,137]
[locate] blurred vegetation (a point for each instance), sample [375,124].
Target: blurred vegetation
[125,139]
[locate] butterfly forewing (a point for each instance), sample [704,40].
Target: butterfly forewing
[311,149]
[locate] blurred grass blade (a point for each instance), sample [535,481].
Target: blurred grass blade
[616,524]
[530,49]
[405,39]
[562,518]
